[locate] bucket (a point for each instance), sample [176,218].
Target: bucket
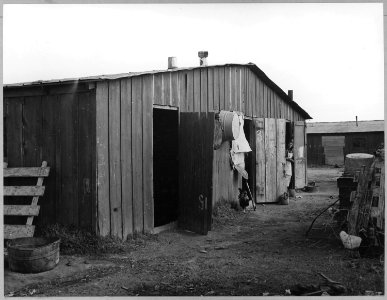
[33,255]
[355,161]
[292,193]
[284,199]
[230,125]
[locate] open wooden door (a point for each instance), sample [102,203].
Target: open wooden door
[300,154]
[196,132]
[270,159]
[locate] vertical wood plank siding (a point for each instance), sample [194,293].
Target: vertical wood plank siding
[101,142]
[126,158]
[102,137]
[129,124]
[137,134]
[147,146]
[56,126]
[115,158]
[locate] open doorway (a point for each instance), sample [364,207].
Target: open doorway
[289,137]
[249,159]
[165,166]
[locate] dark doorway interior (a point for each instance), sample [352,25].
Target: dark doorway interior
[249,165]
[165,166]
[289,137]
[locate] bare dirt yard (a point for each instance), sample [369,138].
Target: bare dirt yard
[262,252]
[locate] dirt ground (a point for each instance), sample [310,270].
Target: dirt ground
[262,252]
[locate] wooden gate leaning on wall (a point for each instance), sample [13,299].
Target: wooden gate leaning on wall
[270,159]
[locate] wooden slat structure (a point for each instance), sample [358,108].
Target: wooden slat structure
[378,194]
[97,135]
[30,211]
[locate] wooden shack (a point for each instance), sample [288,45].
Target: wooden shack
[134,151]
[329,142]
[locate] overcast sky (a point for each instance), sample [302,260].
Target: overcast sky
[331,55]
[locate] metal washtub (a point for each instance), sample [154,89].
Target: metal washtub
[33,255]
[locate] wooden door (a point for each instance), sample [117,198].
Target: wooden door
[196,131]
[281,157]
[300,154]
[270,159]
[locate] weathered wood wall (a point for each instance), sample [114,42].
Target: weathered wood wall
[55,124]
[124,155]
[99,141]
[124,134]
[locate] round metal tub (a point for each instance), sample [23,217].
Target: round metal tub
[33,255]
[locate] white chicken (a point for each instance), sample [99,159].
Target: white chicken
[350,241]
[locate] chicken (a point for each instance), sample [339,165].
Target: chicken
[350,241]
[244,199]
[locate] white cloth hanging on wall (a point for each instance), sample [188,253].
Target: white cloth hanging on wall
[238,149]
[241,144]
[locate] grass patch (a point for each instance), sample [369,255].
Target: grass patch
[79,241]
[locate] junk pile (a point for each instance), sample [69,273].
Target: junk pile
[361,196]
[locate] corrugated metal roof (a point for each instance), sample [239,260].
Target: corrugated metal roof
[345,127]
[260,74]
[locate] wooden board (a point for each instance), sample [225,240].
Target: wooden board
[137,175]
[299,154]
[238,90]
[158,89]
[216,90]
[115,159]
[196,90]
[50,137]
[126,157]
[203,90]
[183,91]
[271,158]
[68,207]
[147,152]
[195,184]
[251,158]
[32,131]
[222,95]
[260,158]
[21,210]
[356,200]
[252,94]
[18,231]
[24,190]
[175,85]
[26,172]
[102,137]
[227,89]
[35,199]
[166,89]
[86,146]
[233,89]
[210,91]
[190,92]
[281,157]
[14,130]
